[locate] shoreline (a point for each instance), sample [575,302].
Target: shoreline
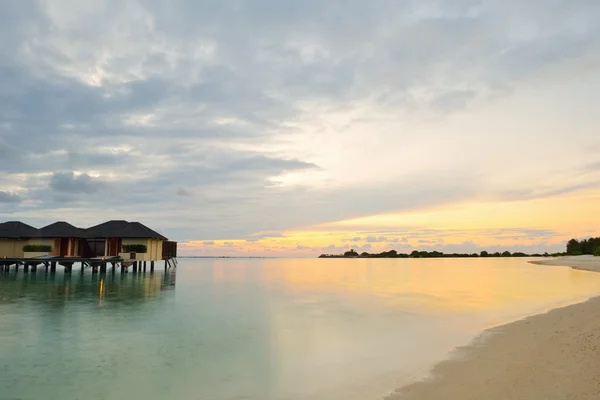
[551,355]
[584,263]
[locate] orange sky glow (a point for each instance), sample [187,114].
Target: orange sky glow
[531,225]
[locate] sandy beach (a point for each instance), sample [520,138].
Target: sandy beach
[547,357]
[587,263]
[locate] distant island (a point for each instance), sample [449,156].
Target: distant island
[432,254]
[574,247]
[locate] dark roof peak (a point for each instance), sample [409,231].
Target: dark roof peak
[123,229]
[62,229]
[17,230]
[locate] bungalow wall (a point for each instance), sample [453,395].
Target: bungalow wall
[12,248]
[153,246]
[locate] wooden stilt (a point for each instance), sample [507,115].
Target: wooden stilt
[103,268]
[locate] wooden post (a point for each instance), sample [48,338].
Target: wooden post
[135,266]
[144,268]
[34,268]
[103,268]
[26,268]
[53,267]
[68,268]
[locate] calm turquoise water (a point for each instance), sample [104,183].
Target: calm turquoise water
[228,329]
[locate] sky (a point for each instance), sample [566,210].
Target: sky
[295,128]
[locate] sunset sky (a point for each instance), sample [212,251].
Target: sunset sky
[294,128]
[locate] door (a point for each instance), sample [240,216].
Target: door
[114,246]
[64,247]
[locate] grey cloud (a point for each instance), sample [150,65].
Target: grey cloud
[8,197]
[217,80]
[257,237]
[183,192]
[374,239]
[74,184]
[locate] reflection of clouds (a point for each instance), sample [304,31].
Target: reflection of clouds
[456,284]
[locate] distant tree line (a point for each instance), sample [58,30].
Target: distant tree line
[585,246]
[433,254]
[574,248]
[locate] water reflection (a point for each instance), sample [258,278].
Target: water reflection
[84,288]
[257,329]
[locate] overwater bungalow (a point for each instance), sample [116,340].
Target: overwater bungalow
[113,238]
[129,241]
[65,239]
[14,236]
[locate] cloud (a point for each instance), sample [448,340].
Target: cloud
[183,192]
[309,113]
[374,239]
[8,197]
[74,184]
[267,235]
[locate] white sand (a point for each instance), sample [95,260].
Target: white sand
[588,263]
[553,356]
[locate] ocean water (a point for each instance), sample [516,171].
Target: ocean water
[233,329]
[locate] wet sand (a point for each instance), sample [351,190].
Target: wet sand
[549,356]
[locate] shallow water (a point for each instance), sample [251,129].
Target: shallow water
[225,329]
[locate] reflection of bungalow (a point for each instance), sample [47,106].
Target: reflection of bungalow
[108,239]
[66,240]
[13,236]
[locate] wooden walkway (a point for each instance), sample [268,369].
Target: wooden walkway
[97,264]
